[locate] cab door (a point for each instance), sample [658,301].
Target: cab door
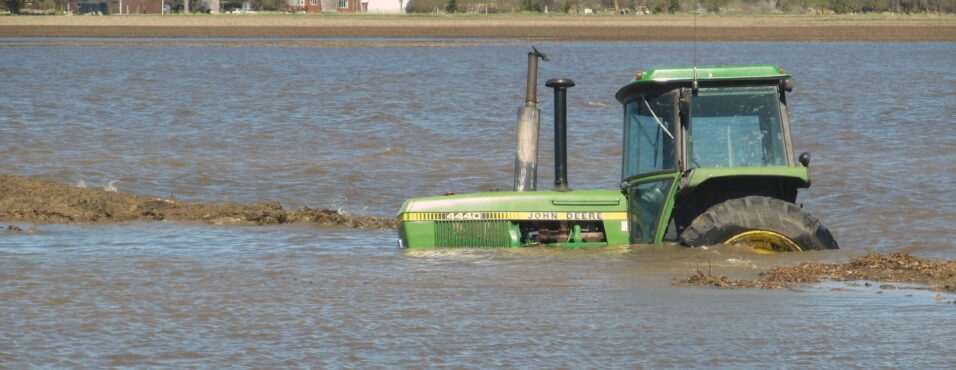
[650,168]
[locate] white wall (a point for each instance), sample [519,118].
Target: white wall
[386,6]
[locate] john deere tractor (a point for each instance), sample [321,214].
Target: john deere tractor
[708,159]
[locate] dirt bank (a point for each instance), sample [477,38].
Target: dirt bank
[897,268]
[24,199]
[584,28]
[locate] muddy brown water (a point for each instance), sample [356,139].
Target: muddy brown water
[360,129]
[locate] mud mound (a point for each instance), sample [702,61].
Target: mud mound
[898,267]
[23,199]
[700,278]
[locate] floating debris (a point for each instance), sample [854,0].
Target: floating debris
[897,267]
[111,186]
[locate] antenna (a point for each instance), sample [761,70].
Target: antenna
[696,7]
[694,82]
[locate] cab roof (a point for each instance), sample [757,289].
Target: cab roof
[706,76]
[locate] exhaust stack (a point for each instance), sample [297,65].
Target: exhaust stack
[529,122]
[560,86]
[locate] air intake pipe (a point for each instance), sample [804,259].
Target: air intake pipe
[560,86]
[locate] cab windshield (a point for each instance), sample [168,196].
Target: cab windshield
[736,127]
[649,134]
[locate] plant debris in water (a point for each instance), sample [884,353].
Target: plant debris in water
[30,200]
[897,267]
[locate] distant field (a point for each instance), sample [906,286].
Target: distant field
[523,26]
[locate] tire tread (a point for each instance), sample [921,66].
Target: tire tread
[731,217]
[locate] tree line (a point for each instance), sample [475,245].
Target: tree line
[685,6]
[195,6]
[619,6]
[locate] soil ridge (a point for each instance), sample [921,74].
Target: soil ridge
[31,200]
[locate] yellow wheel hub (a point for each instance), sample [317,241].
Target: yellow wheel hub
[765,241]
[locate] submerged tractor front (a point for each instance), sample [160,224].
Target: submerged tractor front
[707,159]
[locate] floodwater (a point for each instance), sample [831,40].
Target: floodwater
[363,128]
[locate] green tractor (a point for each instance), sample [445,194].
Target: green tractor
[707,160]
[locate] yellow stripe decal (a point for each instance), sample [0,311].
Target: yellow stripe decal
[517,216]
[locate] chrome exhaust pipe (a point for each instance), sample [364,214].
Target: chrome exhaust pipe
[529,123]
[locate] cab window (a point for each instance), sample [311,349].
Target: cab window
[649,134]
[736,127]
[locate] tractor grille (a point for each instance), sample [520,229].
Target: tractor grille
[474,234]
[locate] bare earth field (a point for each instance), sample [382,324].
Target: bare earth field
[570,28]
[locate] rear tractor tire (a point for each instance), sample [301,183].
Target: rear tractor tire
[767,224]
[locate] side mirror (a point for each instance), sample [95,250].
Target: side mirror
[804,159]
[787,84]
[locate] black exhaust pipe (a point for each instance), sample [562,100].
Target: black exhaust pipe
[560,86]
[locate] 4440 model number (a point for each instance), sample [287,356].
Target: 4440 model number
[464,216]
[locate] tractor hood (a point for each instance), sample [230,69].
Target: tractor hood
[508,205]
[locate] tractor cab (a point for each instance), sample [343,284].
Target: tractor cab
[671,125]
[696,137]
